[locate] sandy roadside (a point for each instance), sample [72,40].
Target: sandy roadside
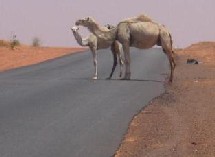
[26,55]
[181,122]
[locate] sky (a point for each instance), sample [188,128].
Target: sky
[189,21]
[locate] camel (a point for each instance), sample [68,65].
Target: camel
[95,43]
[133,32]
[158,35]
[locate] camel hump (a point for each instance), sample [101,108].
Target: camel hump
[139,18]
[144,18]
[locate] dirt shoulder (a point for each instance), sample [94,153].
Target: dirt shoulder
[181,122]
[26,55]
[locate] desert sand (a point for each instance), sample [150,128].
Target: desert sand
[28,55]
[181,122]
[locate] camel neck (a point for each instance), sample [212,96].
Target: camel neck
[96,29]
[79,39]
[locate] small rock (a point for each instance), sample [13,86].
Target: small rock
[193,143]
[192,61]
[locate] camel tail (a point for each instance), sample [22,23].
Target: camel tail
[117,31]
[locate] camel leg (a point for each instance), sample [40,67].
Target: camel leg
[171,62]
[166,43]
[120,51]
[114,53]
[120,64]
[171,66]
[118,48]
[94,52]
[95,65]
[126,50]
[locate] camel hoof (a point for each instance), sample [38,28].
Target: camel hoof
[125,78]
[95,78]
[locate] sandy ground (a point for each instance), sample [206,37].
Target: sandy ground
[26,55]
[181,122]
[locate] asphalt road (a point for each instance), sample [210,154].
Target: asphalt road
[54,109]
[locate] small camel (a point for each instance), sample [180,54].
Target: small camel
[95,43]
[105,39]
[133,32]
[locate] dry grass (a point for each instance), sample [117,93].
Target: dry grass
[4,43]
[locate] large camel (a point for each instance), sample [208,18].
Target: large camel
[135,33]
[100,41]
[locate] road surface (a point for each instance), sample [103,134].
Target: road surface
[54,109]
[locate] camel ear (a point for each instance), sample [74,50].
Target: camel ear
[88,18]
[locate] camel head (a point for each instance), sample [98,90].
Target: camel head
[75,29]
[85,22]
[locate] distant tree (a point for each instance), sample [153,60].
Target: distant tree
[36,42]
[14,42]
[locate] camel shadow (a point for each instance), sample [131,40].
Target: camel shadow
[136,80]
[131,80]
